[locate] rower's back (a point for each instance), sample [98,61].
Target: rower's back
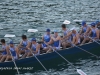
[4,46]
[24,41]
[94,31]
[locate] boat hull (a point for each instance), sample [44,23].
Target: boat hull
[50,60]
[67,53]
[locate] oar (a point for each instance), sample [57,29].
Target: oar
[82,20]
[8,35]
[14,62]
[29,30]
[66,22]
[35,30]
[85,50]
[12,35]
[32,30]
[39,61]
[77,20]
[94,40]
[78,70]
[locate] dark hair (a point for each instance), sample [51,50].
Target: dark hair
[24,37]
[2,40]
[63,26]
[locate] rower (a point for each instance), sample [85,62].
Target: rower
[33,47]
[98,26]
[4,51]
[46,40]
[23,45]
[13,50]
[75,37]
[65,39]
[94,31]
[84,32]
[56,42]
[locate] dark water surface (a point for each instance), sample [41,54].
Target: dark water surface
[17,16]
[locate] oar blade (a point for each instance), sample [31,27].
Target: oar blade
[32,30]
[81,72]
[72,28]
[66,22]
[9,35]
[77,20]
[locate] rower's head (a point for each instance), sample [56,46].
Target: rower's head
[11,43]
[56,32]
[63,26]
[93,25]
[97,22]
[83,23]
[24,37]
[73,30]
[33,40]
[48,31]
[3,41]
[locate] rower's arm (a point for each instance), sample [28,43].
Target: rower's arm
[51,41]
[87,31]
[73,41]
[81,31]
[30,49]
[77,38]
[56,39]
[29,45]
[7,50]
[17,52]
[97,32]
[37,48]
[96,26]
[69,34]
[90,32]
[42,39]
[20,45]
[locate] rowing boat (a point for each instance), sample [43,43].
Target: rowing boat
[67,53]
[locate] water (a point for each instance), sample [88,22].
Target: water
[17,16]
